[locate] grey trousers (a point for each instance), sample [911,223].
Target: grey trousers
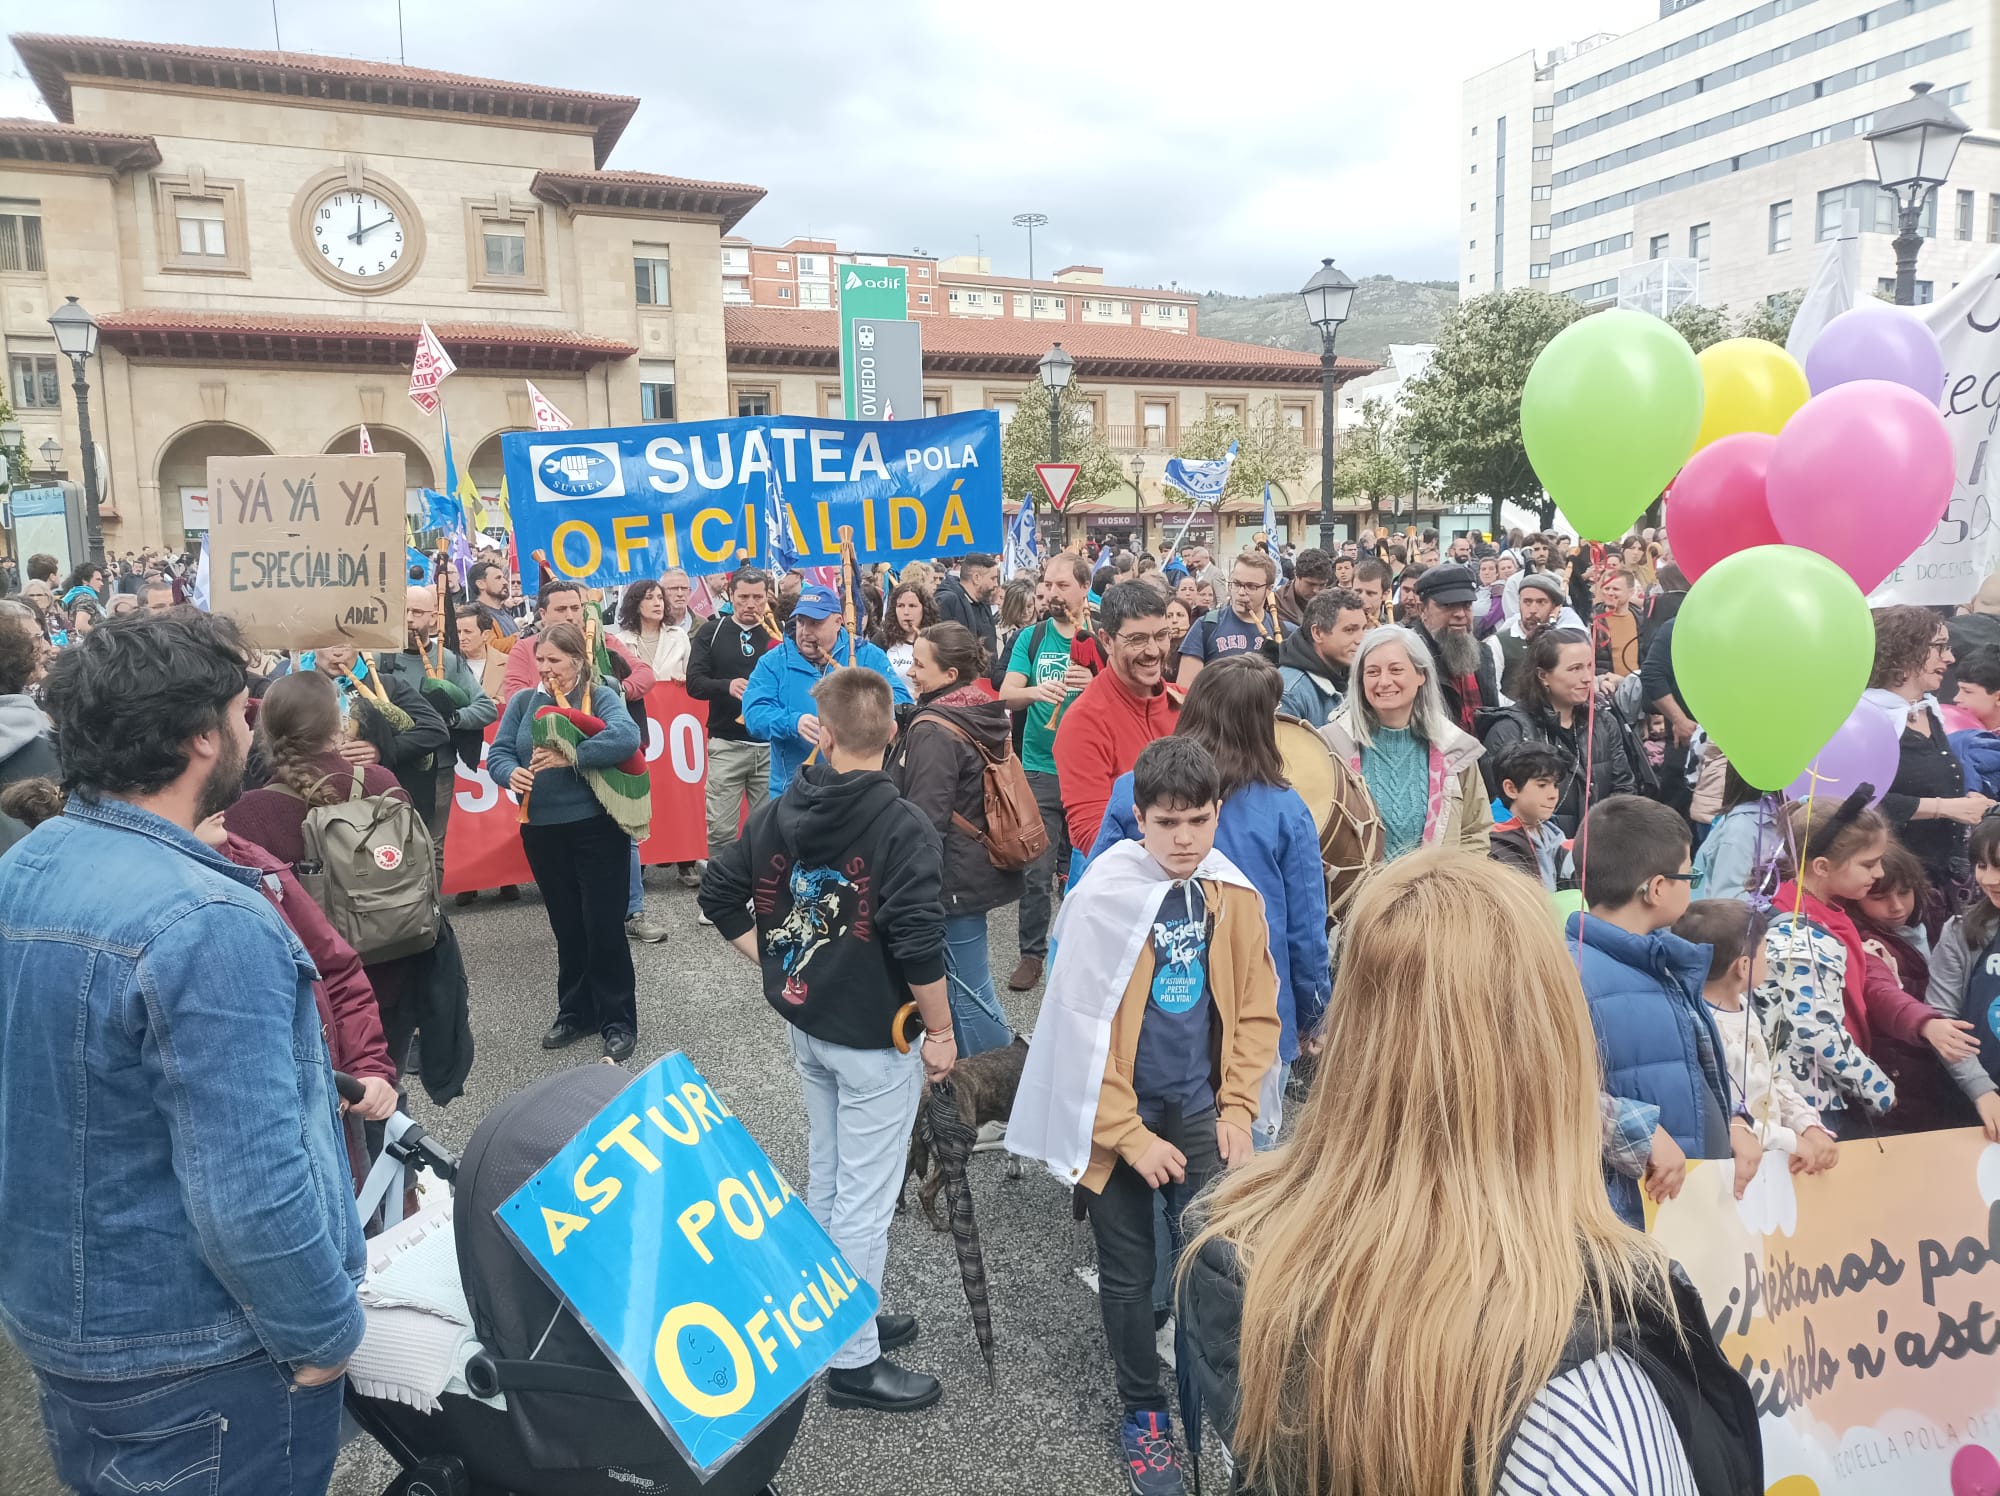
[735,770]
[1038,897]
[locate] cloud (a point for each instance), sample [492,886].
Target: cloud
[1221,149]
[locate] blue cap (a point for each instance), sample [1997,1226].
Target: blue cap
[816,600]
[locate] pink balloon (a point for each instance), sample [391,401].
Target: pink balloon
[1861,474]
[1975,1472]
[1717,505]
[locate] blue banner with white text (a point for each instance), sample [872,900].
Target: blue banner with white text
[687,1256]
[607,506]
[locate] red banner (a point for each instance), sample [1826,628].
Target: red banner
[482,843]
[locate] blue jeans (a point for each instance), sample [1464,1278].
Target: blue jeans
[975,1009]
[240,1429]
[860,1105]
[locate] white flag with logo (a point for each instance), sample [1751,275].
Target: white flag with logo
[547,417]
[433,366]
[367,447]
[1964,548]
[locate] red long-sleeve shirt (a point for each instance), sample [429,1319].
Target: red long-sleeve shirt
[1098,739]
[522,672]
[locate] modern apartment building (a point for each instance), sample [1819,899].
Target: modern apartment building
[1729,133]
[797,276]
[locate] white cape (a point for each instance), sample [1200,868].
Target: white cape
[1105,922]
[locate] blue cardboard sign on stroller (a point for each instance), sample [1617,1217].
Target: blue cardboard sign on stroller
[673,1237]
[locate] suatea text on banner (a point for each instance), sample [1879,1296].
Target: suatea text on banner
[606,506]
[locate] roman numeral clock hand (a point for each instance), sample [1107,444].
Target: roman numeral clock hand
[356,235]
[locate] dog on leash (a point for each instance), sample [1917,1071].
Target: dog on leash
[984,1085]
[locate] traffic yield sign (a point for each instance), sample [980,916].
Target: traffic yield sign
[1057,478]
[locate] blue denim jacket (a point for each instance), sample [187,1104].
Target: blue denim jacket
[171,1177]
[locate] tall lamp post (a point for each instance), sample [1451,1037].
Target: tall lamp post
[1329,297]
[1915,143]
[76,335]
[51,451]
[1139,498]
[1416,474]
[1055,368]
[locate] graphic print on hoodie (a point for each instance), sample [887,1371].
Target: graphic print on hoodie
[825,904]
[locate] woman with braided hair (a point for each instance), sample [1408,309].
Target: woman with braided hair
[301,734]
[569,750]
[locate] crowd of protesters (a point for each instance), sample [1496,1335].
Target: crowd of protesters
[1096,743]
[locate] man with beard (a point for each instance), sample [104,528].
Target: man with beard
[1444,622]
[1118,713]
[1544,603]
[1315,661]
[456,695]
[489,599]
[205,1279]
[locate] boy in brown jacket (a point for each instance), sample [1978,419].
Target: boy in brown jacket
[1158,1027]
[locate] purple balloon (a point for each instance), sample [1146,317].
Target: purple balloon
[1877,341]
[1865,749]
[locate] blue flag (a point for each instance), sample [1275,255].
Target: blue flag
[1024,543]
[1270,517]
[780,554]
[1201,479]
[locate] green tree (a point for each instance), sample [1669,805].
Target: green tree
[1464,411]
[1702,326]
[1024,441]
[1771,320]
[1371,465]
[1269,449]
[17,457]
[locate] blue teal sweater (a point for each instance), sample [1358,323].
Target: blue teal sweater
[561,795]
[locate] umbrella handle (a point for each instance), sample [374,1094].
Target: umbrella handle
[901,1027]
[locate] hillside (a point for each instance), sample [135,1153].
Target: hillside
[1386,310]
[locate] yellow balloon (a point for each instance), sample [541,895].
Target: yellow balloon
[1748,385]
[1794,1485]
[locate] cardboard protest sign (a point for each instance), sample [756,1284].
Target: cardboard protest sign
[681,1248]
[1862,1306]
[607,506]
[307,552]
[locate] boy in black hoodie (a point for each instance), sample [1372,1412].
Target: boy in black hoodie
[846,880]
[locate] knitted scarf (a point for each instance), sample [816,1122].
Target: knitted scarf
[624,790]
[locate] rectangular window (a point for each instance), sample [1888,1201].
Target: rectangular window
[1005,410]
[923,272]
[1154,419]
[1472,244]
[649,275]
[1781,226]
[932,406]
[507,250]
[1538,272]
[1543,153]
[1832,210]
[784,265]
[784,293]
[1657,249]
[811,265]
[753,403]
[199,223]
[656,390]
[1041,303]
[21,241]
[1539,231]
[1698,245]
[923,298]
[1544,112]
[1124,308]
[1541,194]
[1475,169]
[34,382]
[973,298]
[1887,286]
[1964,225]
[818,294]
[835,406]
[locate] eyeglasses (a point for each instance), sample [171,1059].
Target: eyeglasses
[1139,641]
[1941,646]
[1236,586]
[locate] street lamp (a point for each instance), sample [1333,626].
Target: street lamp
[1055,370]
[52,456]
[1329,297]
[76,335]
[1915,143]
[1139,498]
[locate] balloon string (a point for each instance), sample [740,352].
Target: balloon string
[1589,762]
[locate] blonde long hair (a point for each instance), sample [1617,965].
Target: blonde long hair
[1416,1255]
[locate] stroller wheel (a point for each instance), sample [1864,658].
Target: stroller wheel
[435,1475]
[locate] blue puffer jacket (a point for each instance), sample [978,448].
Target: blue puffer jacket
[1979,755]
[1654,1034]
[780,692]
[1269,834]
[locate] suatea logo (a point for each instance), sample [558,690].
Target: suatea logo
[578,472]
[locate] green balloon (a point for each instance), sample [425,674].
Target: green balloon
[1610,411]
[1565,902]
[1772,649]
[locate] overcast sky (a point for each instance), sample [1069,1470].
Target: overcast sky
[1224,147]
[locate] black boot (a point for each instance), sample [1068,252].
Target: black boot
[883,1386]
[894,1330]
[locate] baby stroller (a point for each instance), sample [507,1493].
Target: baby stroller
[543,1412]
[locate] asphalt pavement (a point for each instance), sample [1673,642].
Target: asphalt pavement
[1050,1424]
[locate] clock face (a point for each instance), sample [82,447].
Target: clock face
[357,233]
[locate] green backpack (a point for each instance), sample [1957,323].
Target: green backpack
[370,864]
